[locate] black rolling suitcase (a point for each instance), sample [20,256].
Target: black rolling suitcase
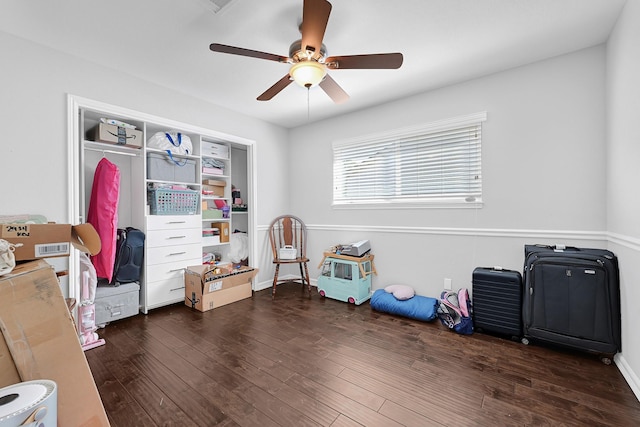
[572,298]
[497,301]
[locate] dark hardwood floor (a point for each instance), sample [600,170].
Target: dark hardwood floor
[307,362]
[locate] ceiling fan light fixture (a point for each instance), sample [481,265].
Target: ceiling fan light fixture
[307,73]
[308,56]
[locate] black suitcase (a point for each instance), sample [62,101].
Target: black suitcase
[497,301]
[129,256]
[572,298]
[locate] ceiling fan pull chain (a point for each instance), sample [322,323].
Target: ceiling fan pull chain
[308,109]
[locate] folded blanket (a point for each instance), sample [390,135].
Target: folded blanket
[417,307]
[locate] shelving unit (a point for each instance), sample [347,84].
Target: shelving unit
[215,152]
[174,240]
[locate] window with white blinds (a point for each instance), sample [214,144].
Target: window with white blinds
[437,162]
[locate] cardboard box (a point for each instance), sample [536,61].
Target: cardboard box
[223,230]
[213,187]
[113,134]
[206,289]
[50,240]
[38,340]
[214,182]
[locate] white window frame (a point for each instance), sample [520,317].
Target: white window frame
[399,140]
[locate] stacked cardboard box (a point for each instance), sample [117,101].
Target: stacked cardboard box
[213,187]
[119,135]
[38,340]
[35,241]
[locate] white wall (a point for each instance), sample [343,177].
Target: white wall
[543,174]
[34,85]
[623,175]
[546,163]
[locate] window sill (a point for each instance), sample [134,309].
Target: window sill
[432,204]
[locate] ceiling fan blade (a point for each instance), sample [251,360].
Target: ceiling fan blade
[276,88]
[216,47]
[315,16]
[334,90]
[373,61]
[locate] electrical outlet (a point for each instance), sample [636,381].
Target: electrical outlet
[447,283]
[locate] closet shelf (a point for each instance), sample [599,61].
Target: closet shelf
[181,156]
[110,148]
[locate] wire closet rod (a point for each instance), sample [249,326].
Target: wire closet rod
[100,150]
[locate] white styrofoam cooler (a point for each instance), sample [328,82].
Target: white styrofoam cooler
[29,403]
[116,302]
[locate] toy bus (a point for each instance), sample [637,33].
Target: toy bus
[346,278]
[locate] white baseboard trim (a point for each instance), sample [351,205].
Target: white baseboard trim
[457,231]
[626,241]
[621,239]
[628,374]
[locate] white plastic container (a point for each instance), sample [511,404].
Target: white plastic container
[29,403]
[288,252]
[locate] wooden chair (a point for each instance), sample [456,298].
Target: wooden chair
[289,233]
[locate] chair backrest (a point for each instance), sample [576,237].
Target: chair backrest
[288,230]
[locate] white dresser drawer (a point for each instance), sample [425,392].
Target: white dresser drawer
[171,237]
[164,292]
[169,270]
[167,254]
[164,222]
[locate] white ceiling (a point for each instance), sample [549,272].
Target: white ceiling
[443,42]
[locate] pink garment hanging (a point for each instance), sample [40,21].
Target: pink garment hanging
[103,215]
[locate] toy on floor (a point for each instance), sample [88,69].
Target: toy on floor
[87,309]
[346,278]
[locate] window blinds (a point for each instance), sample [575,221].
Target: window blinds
[439,162]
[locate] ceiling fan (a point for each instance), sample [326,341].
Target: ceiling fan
[307,56]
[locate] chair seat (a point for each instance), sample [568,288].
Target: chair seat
[290,261]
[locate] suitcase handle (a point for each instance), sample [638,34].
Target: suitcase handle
[559,247]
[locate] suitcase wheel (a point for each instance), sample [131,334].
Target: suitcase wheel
[524,341]
[606,360]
